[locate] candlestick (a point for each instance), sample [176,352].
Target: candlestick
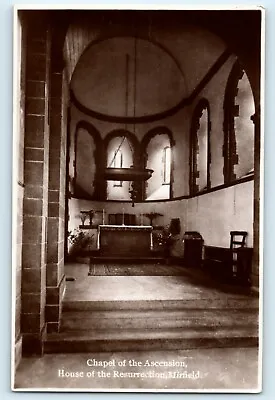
[98,240]
[103,217]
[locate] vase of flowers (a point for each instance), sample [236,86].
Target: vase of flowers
[165,240]
[152,216]
[79,241]
[87,214]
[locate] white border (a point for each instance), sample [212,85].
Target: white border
[15,110]
[16,96]
[136,7]
[261,198]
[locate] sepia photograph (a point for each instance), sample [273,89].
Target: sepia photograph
[137,195]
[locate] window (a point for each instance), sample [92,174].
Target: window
[118,163]
[85,163]
[120,153]
[166,165]
[239,128]
[200,149]
[158,157]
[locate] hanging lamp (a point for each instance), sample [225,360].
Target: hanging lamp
[133,173]
[127,174]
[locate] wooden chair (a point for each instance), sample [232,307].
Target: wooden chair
[237,241]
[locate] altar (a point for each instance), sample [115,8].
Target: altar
[125,240]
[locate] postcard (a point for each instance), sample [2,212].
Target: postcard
[137,199]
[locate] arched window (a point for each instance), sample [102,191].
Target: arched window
[121,150]
[200,148]
[239,128]
[166,160]
[86,156]
[118,163]
[157,147]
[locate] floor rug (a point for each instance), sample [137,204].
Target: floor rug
[135,270]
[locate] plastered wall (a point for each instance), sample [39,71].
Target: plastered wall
[173,209]
[215,214]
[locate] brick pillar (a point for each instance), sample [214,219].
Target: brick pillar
[35,202]
[56,206]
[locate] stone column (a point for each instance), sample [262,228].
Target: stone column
[57,187]
[35,203]
[253,65]
[257,178]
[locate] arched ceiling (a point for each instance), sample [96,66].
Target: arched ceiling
[125,76]
[170,62]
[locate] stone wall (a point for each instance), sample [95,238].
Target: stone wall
[35,204]
[56,205]
[43,158]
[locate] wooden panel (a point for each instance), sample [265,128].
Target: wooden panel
[119,219]
[219,262]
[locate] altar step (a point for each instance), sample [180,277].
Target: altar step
[155,325]
[120,260]
[150,340]
[99,257]
[126,259]
[151,319]
[190,304]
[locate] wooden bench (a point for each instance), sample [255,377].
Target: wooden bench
[218,261]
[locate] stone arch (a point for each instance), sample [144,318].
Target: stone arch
[131,138]
[97,155]
[231,113]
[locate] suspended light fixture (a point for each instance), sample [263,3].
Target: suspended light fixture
[127,174]
[134,173]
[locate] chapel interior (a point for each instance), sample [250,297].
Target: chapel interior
[138,147]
